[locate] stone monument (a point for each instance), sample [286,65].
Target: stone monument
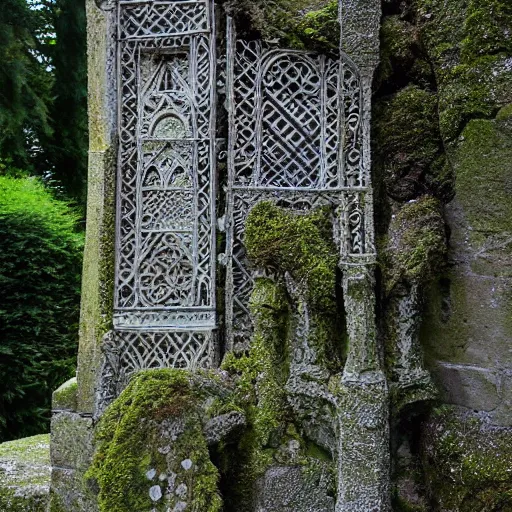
[195,126]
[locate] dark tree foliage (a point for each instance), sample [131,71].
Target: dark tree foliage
[67,149]
[43,91]
[25,85]
[40,264]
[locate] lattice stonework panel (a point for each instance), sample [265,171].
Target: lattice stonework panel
[295,123]
[165,283]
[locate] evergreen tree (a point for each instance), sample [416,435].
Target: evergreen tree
[25,85]
[68,147]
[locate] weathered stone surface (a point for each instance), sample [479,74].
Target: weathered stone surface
[468,386]
[64,398]
[71,440]
[468,321]
[98,270]
[297,489]
[223,427]
[70,492]
[25,474]
[71,453]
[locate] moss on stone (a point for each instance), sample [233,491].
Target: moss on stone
[482,162]
[65,396]
[296,243]
[298,24]
[407,141]
[150,437]
[468,463]
[319,29]
[416,247]
[402,57]
[260,389]
[302,246]
[469,48]
[25,474]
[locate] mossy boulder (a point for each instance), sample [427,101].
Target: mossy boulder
[467,463]
[25,474]
[151,451]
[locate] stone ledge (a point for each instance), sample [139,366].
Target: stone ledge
[25,474]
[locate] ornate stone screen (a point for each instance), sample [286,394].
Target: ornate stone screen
[165,270]
[295,138]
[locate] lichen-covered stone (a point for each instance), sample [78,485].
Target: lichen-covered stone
[467,462]
[151,451]
[25,474]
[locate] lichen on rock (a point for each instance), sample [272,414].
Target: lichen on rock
[25,474]
[151,451]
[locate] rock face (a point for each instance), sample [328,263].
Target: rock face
[442,130]
[25,474]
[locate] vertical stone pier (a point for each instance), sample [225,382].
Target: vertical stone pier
[363,407]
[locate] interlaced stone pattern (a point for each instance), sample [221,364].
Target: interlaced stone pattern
[295,122]
[295,138]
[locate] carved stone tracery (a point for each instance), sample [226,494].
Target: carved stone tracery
[296,138]
[164,311]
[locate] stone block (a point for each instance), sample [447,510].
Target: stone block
[467,386]
[64,397]
[69,492]
[71,441]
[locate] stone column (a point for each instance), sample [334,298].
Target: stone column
[363,397]
[363,404]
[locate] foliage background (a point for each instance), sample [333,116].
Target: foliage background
[43,143]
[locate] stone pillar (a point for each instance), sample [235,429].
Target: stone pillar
[98,271]
[363,397]
[363,404]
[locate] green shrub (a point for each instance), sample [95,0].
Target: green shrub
[40,265]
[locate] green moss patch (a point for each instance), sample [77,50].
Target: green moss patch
[151,452]
[416,246]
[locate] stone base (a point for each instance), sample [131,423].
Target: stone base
[295,488]
[71,452]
